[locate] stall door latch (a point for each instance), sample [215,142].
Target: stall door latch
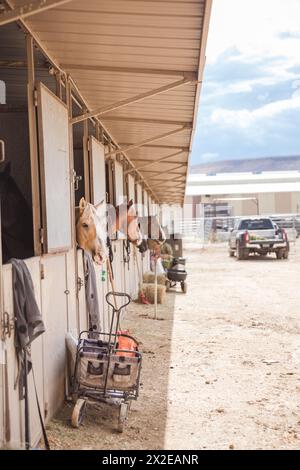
[76,179]
[79,283]
[8,325]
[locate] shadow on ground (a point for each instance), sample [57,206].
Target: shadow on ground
[148,415]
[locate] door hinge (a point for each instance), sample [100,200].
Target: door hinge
[35,98]
[41,232]
[42,271]
[8,325]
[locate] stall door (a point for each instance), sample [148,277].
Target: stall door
[139,205]
[97,163]
[55,315]
[146,257]
[14,425]
[139,200]
[98,194]
[131,188]
[131,277]
[146,209]
[2,351]
[118,264]
[119,184]
[55,172]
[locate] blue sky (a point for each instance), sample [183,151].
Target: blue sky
[250,99]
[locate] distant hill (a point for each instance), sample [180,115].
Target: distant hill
[251,165]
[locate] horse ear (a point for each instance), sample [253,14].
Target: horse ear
[97,206]
[82,205]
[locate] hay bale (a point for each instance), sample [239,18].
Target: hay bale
[149,278]
[148,290]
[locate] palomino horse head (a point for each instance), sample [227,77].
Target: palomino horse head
[91,229]
[127,222]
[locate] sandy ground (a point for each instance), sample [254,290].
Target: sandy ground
[221,365]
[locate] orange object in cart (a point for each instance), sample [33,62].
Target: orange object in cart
[127,344]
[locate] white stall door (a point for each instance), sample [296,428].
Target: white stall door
[55,171]
[97,162]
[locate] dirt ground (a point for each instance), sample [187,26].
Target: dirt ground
[221,365]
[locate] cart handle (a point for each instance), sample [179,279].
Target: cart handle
[117,294]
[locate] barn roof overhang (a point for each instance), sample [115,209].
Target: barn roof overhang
[138,68]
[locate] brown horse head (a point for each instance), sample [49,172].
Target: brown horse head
[91,229]
[127,222]
[153,233]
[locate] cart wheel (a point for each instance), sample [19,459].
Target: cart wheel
[184,287]
[168,286]
[74,398]
[123,414]
[78,413]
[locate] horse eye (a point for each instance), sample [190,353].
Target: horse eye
[85,225]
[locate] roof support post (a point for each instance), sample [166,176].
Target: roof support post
[190,78]
[68,86]
[33,145]
[86,165]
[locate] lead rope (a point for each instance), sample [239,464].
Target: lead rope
[137,264]
[112,283]
[110,255]
[45,437]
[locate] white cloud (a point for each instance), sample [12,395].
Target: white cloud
[247,86]
[255,29]
[244,118]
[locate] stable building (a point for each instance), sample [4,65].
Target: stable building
[98,99]
[243,194]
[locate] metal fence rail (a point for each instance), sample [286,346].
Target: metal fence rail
[217,229]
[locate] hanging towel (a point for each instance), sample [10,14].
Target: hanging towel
[28,319]
[91,293]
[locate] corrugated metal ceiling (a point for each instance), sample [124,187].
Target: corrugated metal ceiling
[117,49]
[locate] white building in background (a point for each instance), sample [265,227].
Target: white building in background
[238,194]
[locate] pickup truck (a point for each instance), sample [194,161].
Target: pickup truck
[258,235]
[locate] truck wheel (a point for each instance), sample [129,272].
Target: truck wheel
[240,253]
[279,254]
[231,253]
[286,254]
